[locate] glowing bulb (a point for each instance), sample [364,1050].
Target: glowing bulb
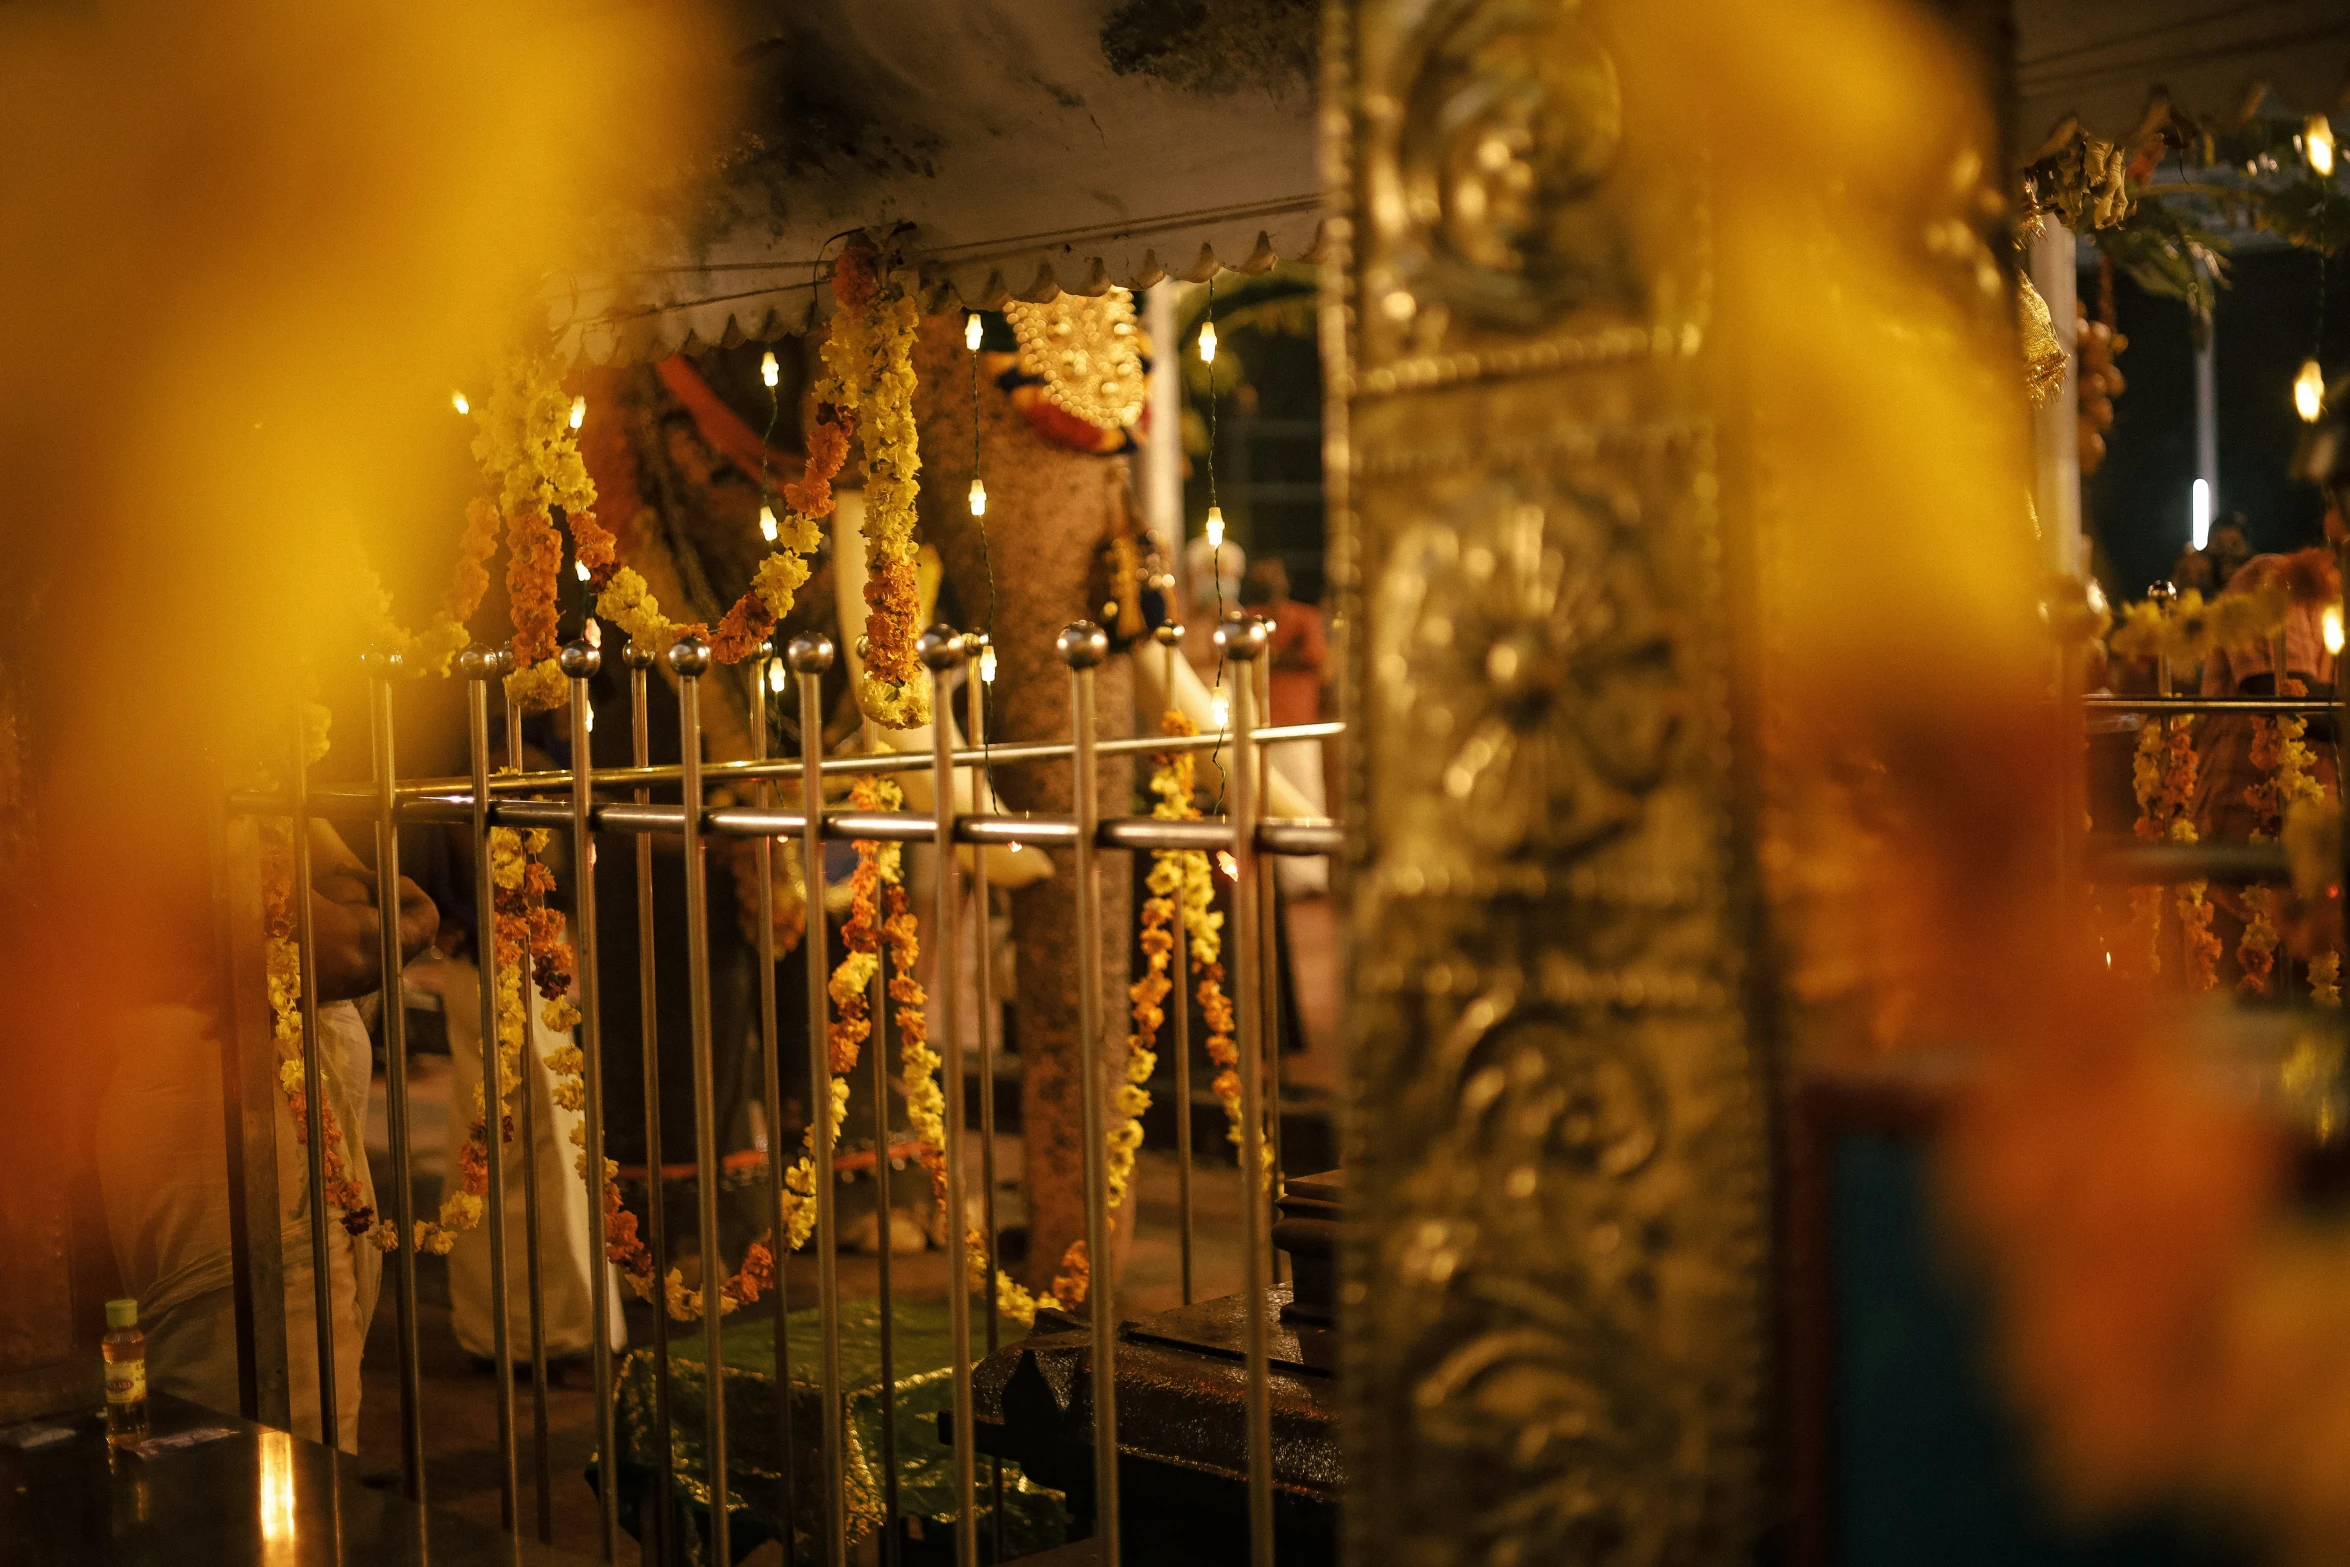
[2199,516]
[578,412]
[1207,342]
[1220,711]
[978,491]
[2309,391]
[580,566]
[458,402]
[2331,625]
[769,371]
[971,332]
[775,674]
[1215,527]
[1229,865]
[2317,144]
[589,719]
[987,666]
[767,528]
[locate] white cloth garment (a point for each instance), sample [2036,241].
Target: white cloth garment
[566,1238]
[163,1176]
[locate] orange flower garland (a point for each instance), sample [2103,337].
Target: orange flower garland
[344,1197]
[745,628]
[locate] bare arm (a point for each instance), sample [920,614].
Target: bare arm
[347,925]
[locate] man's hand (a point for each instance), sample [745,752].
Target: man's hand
[346,926]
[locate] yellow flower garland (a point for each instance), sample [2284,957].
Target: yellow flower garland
[869,360]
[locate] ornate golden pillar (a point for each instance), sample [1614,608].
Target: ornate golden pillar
[1559,1169]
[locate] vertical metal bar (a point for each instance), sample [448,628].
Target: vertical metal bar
[639,659]
[1269,943]
[942,652]
[580,662]
[771,1067]
[810,655]
[1170,638]
[481,666]
[314,1085]
[533,1273]
[983,927]
[886,1325]
[395,1024]
[1083,646]
[1243,641]
[689,660]
[249,1097]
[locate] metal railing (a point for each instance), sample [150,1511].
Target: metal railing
[587,802]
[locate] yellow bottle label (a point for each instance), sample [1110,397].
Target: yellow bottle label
[126,1381]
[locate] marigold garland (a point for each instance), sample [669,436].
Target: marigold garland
[745,628]
[283,958]
[869,360]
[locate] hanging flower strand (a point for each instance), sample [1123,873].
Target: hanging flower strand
[869,360]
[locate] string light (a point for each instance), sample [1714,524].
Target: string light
[1215,527]
[1229,865]
[978,499]
[1220,710]
[578,412]
[775,674]
[2309,391]
[1207,342]
[769,371]
[987,665]
[2199,513]
[580,566]
[971,331]
[2331,624]
[767,528]
[458,402]
[2317,145]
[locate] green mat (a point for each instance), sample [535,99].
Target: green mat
[1034,1518]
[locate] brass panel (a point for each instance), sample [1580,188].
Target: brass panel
[1558,1150]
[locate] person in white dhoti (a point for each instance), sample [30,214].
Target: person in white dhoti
[163,1166]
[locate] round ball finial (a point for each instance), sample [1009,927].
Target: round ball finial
[1241,637]
[941,648]
[810,653]
[689,656]
[479,663]
[382,661]
[1083,645]
[579,661]
[1169,633]
[637,656]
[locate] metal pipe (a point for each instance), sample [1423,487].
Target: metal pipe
[1170,638]
[2259,706]
[481,666]
[1083,647]
[357,802]
[942,654]
[771,1075]
[2116,860]
[1243,641]
[580,662]
[885,1320]
[314,1085]
[381,668]
[689,660]
[1268,941]
[810,655]
[533,1271]
[983,926]
[639,659]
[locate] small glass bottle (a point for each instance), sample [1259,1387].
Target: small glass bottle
[125,1349]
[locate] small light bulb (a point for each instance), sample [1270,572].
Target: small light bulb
[2199,513]
[2331,624]
[767,528]
[580,566]
[769,371]
[987,666]
[1220,712]
[589,718]
[578,412]
[458,402]
[2317,144]
[978,490]
[1207,342]
[1215,527]
[2309,391]
[971,332]
[775,674]
[1228,865]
